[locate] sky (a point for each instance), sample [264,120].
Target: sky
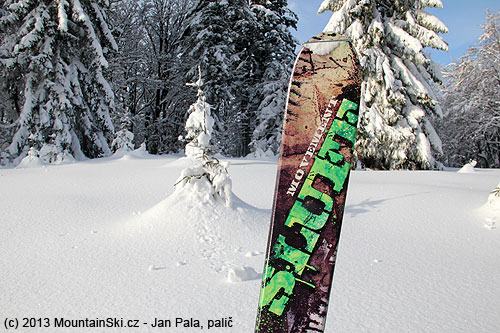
[462,17]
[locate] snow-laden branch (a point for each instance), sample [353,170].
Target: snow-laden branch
[83,17]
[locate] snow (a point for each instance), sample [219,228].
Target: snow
[355,30]
[63,17]
[336,22]
[430,21]
[123,142]
[31,160]
[33,36]
[83,17]
[242,274]
[491,209]
[110,238]
[199,124]
[404,38]
[104,26]
[468,168]
[322,48]
[432,3]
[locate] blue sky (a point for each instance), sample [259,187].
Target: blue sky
[463,18]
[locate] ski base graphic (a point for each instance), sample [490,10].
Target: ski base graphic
[313,171]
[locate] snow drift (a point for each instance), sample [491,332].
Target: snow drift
[110,238]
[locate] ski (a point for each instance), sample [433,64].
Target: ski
[313,171]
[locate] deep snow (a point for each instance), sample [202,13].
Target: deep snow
[420,251]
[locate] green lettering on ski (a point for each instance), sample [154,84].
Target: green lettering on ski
[290,254]
[310,213]
[309,192]
[299,214]
[281,280]
[344,112]
[328,151]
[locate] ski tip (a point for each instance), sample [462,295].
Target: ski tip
[327,37]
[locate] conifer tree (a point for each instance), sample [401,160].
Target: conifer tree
[275,53]
[207,177]
[60,48]
[10,94]
[397,95]
[219,38]
[199,125]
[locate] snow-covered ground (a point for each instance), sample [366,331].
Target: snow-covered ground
[105,238]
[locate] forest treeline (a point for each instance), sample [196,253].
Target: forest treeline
[81,79]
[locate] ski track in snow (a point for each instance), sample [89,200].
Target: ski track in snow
[106,238]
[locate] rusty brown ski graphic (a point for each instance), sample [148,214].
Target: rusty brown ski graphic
[313,171]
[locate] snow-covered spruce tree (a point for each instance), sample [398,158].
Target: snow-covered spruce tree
[219,37]
[275,52]
[208,178]
[237,126]
[471,125]
[397,96]
[60,47]
[10,94]
[124,137]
